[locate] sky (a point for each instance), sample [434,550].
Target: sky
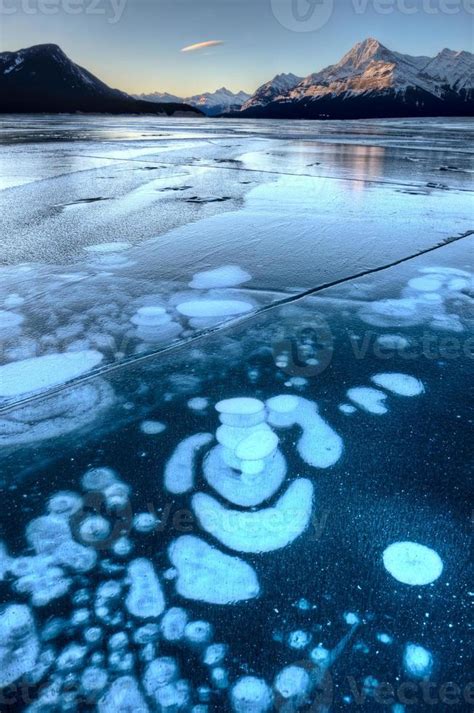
[136,45]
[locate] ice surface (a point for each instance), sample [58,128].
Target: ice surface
[108,247]
[33,375]
[206,574]
[400,384]
[179,471]
[225,276]
[412,563]
[240,490]
[56,415]
[418,662]
[262,530]
[368,399]
[145,598]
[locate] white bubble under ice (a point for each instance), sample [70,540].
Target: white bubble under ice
[123,696]
[205,574]
[241,490]
[45,372]
[370,400]
[251,695]
[412,563]
[179,470]
[319,446]
[418,661]
[145,598]
[19,645]
[209,308]
[263,530]
[173,624]
[225,276]
[400,384]
[293,684]
[152,428]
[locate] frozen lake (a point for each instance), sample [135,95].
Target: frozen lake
[234,418]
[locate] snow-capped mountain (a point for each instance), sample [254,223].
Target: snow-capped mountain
[221,101]
[270,91]
[372,81]
[452,69]
[43,79]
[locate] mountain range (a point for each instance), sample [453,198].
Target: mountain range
[43,79]
[371,81]
[215,103]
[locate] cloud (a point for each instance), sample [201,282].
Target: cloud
[202,46]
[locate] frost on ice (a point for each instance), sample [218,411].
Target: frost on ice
[207,575]
[263,530]
[40,373]
[412,563]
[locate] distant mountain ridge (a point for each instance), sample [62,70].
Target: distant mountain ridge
[210,103]
[42,78]
[371,81]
